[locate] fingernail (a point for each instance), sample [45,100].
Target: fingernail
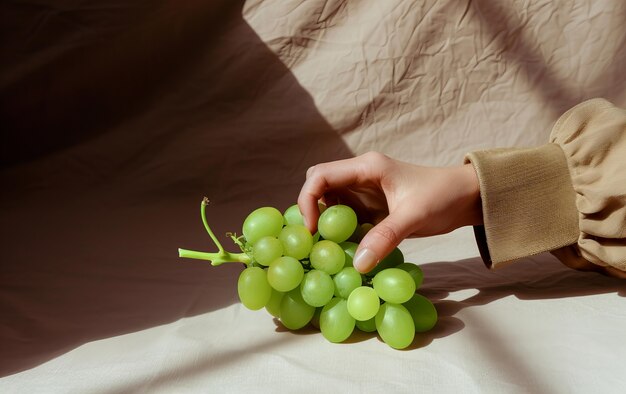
[365,260]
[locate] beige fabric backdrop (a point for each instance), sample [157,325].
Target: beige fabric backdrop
[430,80]
[118,116]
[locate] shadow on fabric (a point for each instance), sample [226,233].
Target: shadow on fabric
[537,278]
[505,25]
[111,147]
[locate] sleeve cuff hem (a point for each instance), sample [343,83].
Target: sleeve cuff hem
[528,201]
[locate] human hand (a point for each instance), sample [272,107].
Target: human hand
[402,200]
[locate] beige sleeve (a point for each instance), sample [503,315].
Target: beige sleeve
[567,197]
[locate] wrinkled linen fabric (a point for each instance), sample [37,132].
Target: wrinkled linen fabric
[119,116]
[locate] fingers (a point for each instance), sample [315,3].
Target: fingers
[324,177]
[307,203]
[380,241]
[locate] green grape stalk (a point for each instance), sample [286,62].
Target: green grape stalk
[309,279]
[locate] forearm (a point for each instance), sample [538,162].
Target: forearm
[470,199]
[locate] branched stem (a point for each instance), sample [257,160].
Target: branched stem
[221,256]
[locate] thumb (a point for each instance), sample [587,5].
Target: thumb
[379,242]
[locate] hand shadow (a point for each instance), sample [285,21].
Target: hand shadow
[534,278]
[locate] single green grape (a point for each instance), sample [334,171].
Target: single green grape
[273,305]
[337,223]
[415,271]
[394,285]
[297,241]
[391,260]
[294,312]
[292,215]
[367,325]
[346,280]
[363,303]
[262,222]
[395,325]
[327,256]
[422,311]
[336,324]
[253,289]
[285,274]
[350,249]
[266,250]
[317,288]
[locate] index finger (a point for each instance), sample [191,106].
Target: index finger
[322,178]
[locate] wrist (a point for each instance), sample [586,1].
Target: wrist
[470,201]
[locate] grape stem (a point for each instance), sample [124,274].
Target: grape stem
[222,256]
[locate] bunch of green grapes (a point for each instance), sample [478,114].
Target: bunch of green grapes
[304,279]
